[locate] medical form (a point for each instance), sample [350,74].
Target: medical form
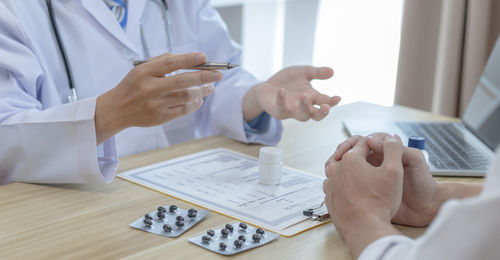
[227,182]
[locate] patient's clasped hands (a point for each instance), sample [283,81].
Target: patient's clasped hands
[374,180]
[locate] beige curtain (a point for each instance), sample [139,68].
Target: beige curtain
[444,47]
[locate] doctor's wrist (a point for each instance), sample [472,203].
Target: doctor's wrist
[251,107]
[107,118]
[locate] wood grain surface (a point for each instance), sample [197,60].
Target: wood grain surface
[91,221]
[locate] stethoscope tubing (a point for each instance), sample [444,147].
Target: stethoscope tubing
[67,66]
[73,97]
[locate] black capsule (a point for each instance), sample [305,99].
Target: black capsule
[172,208]
[147,216]
[224,232]
[242,238]
[162,209]
[160,215]
[192,210]
[206,239]
[210,232]
[243,226]
[192,214]
[167,228]
[256,238]
[260,231]
[230,228]
[222,246]
[148,222]
[181,218]
[238,243]
[179,223]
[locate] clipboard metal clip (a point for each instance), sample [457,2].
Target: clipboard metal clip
[315,215]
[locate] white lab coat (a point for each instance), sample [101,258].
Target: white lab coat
[43,138]
[463,229]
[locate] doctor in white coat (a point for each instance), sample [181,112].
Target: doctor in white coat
[121,110]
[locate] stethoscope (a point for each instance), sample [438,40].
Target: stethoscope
[73,97]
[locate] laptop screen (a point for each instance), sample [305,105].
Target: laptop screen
[482,116]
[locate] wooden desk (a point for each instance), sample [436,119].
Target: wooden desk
[91,221]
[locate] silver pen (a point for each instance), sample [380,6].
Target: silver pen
[206,66]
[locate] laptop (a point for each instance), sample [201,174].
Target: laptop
[455,149]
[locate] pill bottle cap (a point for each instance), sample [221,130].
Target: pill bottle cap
[416,142]
[271,155]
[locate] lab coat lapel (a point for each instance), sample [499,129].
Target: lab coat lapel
[105,18]
[135,10]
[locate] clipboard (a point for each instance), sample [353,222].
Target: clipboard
[184,178]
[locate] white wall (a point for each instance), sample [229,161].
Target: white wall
[300,31]
[359,39]
[273,33]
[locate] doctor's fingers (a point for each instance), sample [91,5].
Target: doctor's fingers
[161,56]
[182,110]
[319,99]
[282,110]
[317,72]
[303,111]
[170,63]
[306,110]
[188,95]
[186,80]
[319,113]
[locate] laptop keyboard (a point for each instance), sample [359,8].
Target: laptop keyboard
[446,146]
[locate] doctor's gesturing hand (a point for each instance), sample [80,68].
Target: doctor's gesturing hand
[145,97]
[289,94]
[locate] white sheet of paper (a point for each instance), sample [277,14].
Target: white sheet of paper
[228,182]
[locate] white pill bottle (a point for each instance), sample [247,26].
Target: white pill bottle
[270,165]
[418,142]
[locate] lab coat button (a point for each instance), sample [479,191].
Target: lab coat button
[128,54]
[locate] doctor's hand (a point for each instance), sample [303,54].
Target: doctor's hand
[146,97]
[421,198]
[363,198]
[289,94]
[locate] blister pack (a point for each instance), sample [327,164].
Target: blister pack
[233,238]
[170,221]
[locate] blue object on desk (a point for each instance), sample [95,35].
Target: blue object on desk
[416,142]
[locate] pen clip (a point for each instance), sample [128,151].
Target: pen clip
[312,213]
[320,216]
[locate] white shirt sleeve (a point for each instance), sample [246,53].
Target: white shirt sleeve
[463,229]
[57,145]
